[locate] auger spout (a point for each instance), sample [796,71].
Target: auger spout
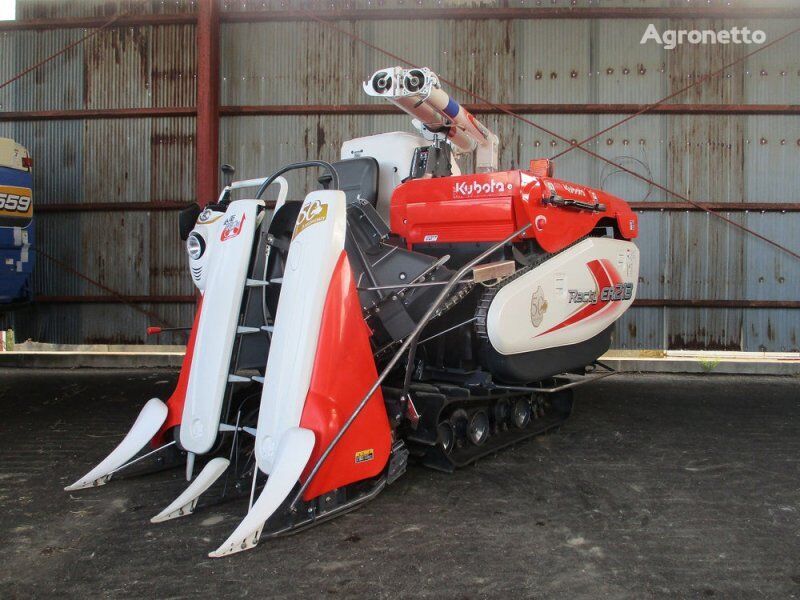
[418,93]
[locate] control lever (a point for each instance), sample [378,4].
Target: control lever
[557,200]
[227,174]
[157,330]
[227,179]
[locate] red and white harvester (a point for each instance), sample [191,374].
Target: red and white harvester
[405,310]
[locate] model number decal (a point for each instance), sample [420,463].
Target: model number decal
[612,293]
[15,200]
[311,213]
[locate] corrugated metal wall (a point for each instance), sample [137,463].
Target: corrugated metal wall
[685,255]
[136,253]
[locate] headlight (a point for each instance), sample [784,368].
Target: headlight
[195,246]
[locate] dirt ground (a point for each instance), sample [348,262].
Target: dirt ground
[659,485]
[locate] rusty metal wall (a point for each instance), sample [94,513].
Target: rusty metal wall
[416,5]
[685,255]
[84,8]
[136,253]
[714,158]
[56,9]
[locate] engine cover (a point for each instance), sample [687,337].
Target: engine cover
[570,298]
[488,207]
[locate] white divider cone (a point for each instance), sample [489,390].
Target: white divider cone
[185,503]
[147,424]
[291,458]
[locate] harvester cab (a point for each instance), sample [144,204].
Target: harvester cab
[406,311]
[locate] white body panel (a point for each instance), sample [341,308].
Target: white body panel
[12,153]
[147,424]
[561,302]
[317,244]
[394,153]
[229,252]
[184,504]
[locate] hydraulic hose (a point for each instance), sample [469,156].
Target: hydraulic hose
[300,165]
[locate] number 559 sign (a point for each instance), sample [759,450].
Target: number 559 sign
[15,202]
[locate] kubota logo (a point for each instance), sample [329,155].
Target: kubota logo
[311,213]
[474,188]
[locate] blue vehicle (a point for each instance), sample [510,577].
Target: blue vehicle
[16,224]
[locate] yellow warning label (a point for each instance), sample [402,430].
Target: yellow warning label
[15,202]
[365,455]
[312,213]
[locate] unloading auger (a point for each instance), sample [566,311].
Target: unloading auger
[404,311]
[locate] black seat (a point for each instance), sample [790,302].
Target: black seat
[358,179]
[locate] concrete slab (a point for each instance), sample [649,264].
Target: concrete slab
[88,359]
[50,356]
[704,361]
[658,486]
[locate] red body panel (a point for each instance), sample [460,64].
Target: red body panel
[344,370]
[488,207]
[178,397]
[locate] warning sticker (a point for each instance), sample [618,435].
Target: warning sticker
[231,227]
[365,455]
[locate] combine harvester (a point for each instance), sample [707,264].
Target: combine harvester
[406,310]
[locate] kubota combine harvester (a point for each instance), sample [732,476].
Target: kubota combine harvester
[405,310]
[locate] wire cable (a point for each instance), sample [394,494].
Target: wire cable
[658,103]
[103,287]
[519,117]
[69,46]
[48,256]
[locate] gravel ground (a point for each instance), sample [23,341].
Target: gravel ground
[658,486]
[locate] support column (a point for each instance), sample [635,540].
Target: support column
[207,125]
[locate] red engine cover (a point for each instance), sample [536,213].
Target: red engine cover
[344,370]
[488,207]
